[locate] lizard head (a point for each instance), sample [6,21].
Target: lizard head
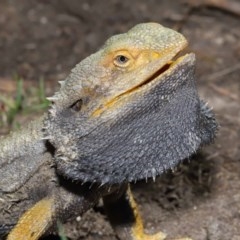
[122,114]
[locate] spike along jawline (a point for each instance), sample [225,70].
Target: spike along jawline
[139,111]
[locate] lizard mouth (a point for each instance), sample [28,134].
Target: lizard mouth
[161,71]
[154,76]
[159,74]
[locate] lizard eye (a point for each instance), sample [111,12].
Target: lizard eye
[121,61]
[76,106]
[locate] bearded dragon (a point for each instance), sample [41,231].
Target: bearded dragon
[129,112]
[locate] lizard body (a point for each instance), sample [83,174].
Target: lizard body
[128,112]
[19,149]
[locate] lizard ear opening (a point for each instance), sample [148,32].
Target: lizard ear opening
[77,106]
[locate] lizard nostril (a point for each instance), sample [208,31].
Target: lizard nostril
[76,106]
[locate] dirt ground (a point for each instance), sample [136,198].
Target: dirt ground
[202,198]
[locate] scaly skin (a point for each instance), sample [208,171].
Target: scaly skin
[128,112]
[21,154]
